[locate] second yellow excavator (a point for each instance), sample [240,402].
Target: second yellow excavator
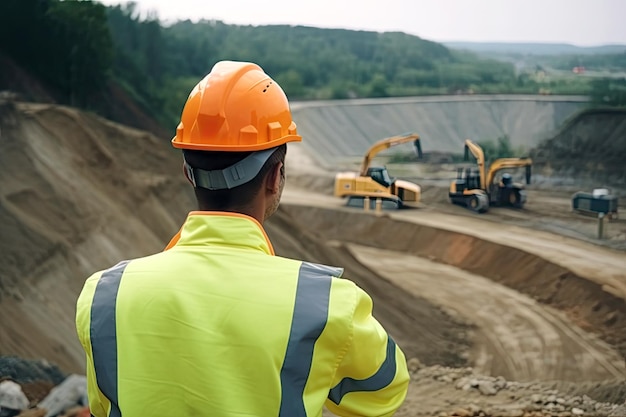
[375,183]
[476,188]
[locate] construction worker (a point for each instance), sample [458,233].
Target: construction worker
[217,325]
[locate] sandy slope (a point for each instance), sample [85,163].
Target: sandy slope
[547,282]
[79,193]
[334,130]
[529,328]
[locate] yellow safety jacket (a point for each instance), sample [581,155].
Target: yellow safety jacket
[217,325]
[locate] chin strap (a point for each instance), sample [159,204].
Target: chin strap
[231,177]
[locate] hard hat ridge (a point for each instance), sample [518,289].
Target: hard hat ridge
[237,107]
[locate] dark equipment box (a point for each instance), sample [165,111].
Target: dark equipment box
[595,203]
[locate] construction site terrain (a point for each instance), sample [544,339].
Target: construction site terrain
[514,312]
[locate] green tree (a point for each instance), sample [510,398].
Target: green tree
[66,44]
[378,86]
[25,32]
[84,48]
[291,82]
[500,148]
[609,92]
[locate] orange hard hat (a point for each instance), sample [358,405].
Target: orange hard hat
[237,107]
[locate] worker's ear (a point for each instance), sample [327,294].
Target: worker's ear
[274,177]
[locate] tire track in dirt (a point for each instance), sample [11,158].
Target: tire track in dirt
[423,329]
[517,337]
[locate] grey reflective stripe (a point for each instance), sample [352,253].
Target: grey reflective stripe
[383,377]
[310,315]
[231,177]
[103,333]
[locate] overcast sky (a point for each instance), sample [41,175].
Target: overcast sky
[577,22]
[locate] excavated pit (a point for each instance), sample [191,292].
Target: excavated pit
[69,209]
[583,322]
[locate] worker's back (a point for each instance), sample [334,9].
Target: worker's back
[217,326]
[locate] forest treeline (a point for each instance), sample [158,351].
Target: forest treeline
[80,48]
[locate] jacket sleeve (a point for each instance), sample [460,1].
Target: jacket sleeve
[98,403]
[372,378]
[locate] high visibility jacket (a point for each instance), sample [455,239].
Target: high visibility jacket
[217,325]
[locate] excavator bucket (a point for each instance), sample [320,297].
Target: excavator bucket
[467,152]
[418,149]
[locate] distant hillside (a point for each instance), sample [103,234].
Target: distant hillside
[79,193]
[535,48]
[115,103]
[117,63]
[592,145]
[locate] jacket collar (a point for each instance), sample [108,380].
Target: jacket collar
[224,229]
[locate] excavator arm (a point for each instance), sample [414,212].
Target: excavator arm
[478,153]
[504,163]
[478,195]
[383,144]
[486,178]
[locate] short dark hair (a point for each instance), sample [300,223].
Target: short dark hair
[234,198]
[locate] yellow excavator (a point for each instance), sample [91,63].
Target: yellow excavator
[375,183]
[477,189]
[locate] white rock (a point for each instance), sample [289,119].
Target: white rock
[487,388]
[72,391]
[12,396]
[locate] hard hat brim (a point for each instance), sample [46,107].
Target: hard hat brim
[236,148]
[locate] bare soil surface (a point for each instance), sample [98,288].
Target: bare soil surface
[512,313]
[530,295]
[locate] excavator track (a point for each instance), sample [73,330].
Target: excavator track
[387,203]
[477,202]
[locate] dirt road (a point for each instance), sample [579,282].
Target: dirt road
[458,290]
[516,337]
[510,291]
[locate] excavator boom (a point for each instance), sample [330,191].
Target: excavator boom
[386,143]
[477,151]
[504,163]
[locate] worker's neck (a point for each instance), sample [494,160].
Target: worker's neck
[254,212]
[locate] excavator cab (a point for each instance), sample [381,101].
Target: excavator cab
[507,180]
[466,191]
[380,175]
[506,191]
[467,179]
[473,178]
[460,182]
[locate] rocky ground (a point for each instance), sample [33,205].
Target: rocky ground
[514,313]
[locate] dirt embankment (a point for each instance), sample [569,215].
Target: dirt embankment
[411,319]
[591,146]
[586,303]
[340,129]
[78,194]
